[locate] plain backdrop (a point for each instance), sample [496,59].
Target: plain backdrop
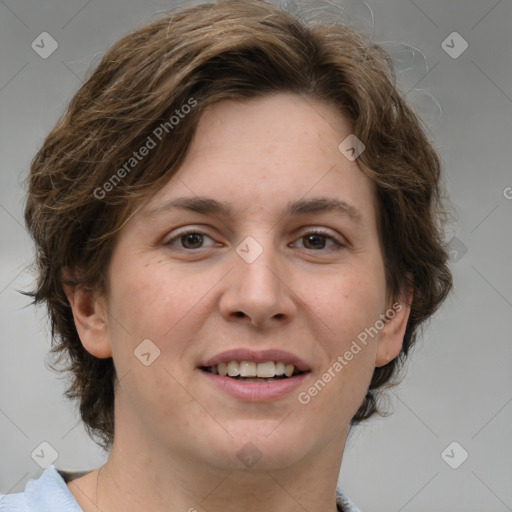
[458,386]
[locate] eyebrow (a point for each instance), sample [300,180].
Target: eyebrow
[210,206]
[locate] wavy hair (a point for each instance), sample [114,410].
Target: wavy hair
[212,52]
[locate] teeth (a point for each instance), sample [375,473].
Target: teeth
[233,369]
[250,369]
[267,370]
[288,370]
[222,369]
[247,369]
[279,368]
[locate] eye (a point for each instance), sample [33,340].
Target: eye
[191,239]
[315,240]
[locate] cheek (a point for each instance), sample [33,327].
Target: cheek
[340,385]
[349,302]
[149,299]
[352,346]
[162,303]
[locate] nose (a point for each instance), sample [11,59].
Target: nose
[258,293]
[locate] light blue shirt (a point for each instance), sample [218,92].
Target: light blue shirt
[49,493]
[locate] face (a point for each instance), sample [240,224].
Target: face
[279,262]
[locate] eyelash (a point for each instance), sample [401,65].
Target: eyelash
[338,245]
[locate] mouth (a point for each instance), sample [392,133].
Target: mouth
[250,371]
[255,375]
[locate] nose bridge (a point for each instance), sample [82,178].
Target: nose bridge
[256,285]
[257,275]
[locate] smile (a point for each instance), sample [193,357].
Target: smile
[250,371]
[255,376]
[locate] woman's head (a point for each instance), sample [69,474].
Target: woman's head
[239,102]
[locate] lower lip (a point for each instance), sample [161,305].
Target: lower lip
[256,391]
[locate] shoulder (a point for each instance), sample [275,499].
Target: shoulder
[48,492]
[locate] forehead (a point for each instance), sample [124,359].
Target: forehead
[269,154]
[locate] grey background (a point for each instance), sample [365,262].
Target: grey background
[458,385]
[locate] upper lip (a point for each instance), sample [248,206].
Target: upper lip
[257,356]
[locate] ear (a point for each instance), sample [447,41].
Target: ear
[90,316]
[392,334]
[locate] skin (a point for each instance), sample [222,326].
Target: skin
[177,436]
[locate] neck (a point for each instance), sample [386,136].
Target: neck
[138,477]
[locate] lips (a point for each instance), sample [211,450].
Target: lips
[250,369]
[252,356]
[255,375]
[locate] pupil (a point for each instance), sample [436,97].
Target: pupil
[315,239]
[195,238]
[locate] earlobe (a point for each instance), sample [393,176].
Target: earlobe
[392,334]
[90,317]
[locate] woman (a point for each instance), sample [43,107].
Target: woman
[237,237]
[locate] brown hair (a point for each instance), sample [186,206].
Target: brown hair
[79,197]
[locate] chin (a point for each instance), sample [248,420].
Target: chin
[257,446]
